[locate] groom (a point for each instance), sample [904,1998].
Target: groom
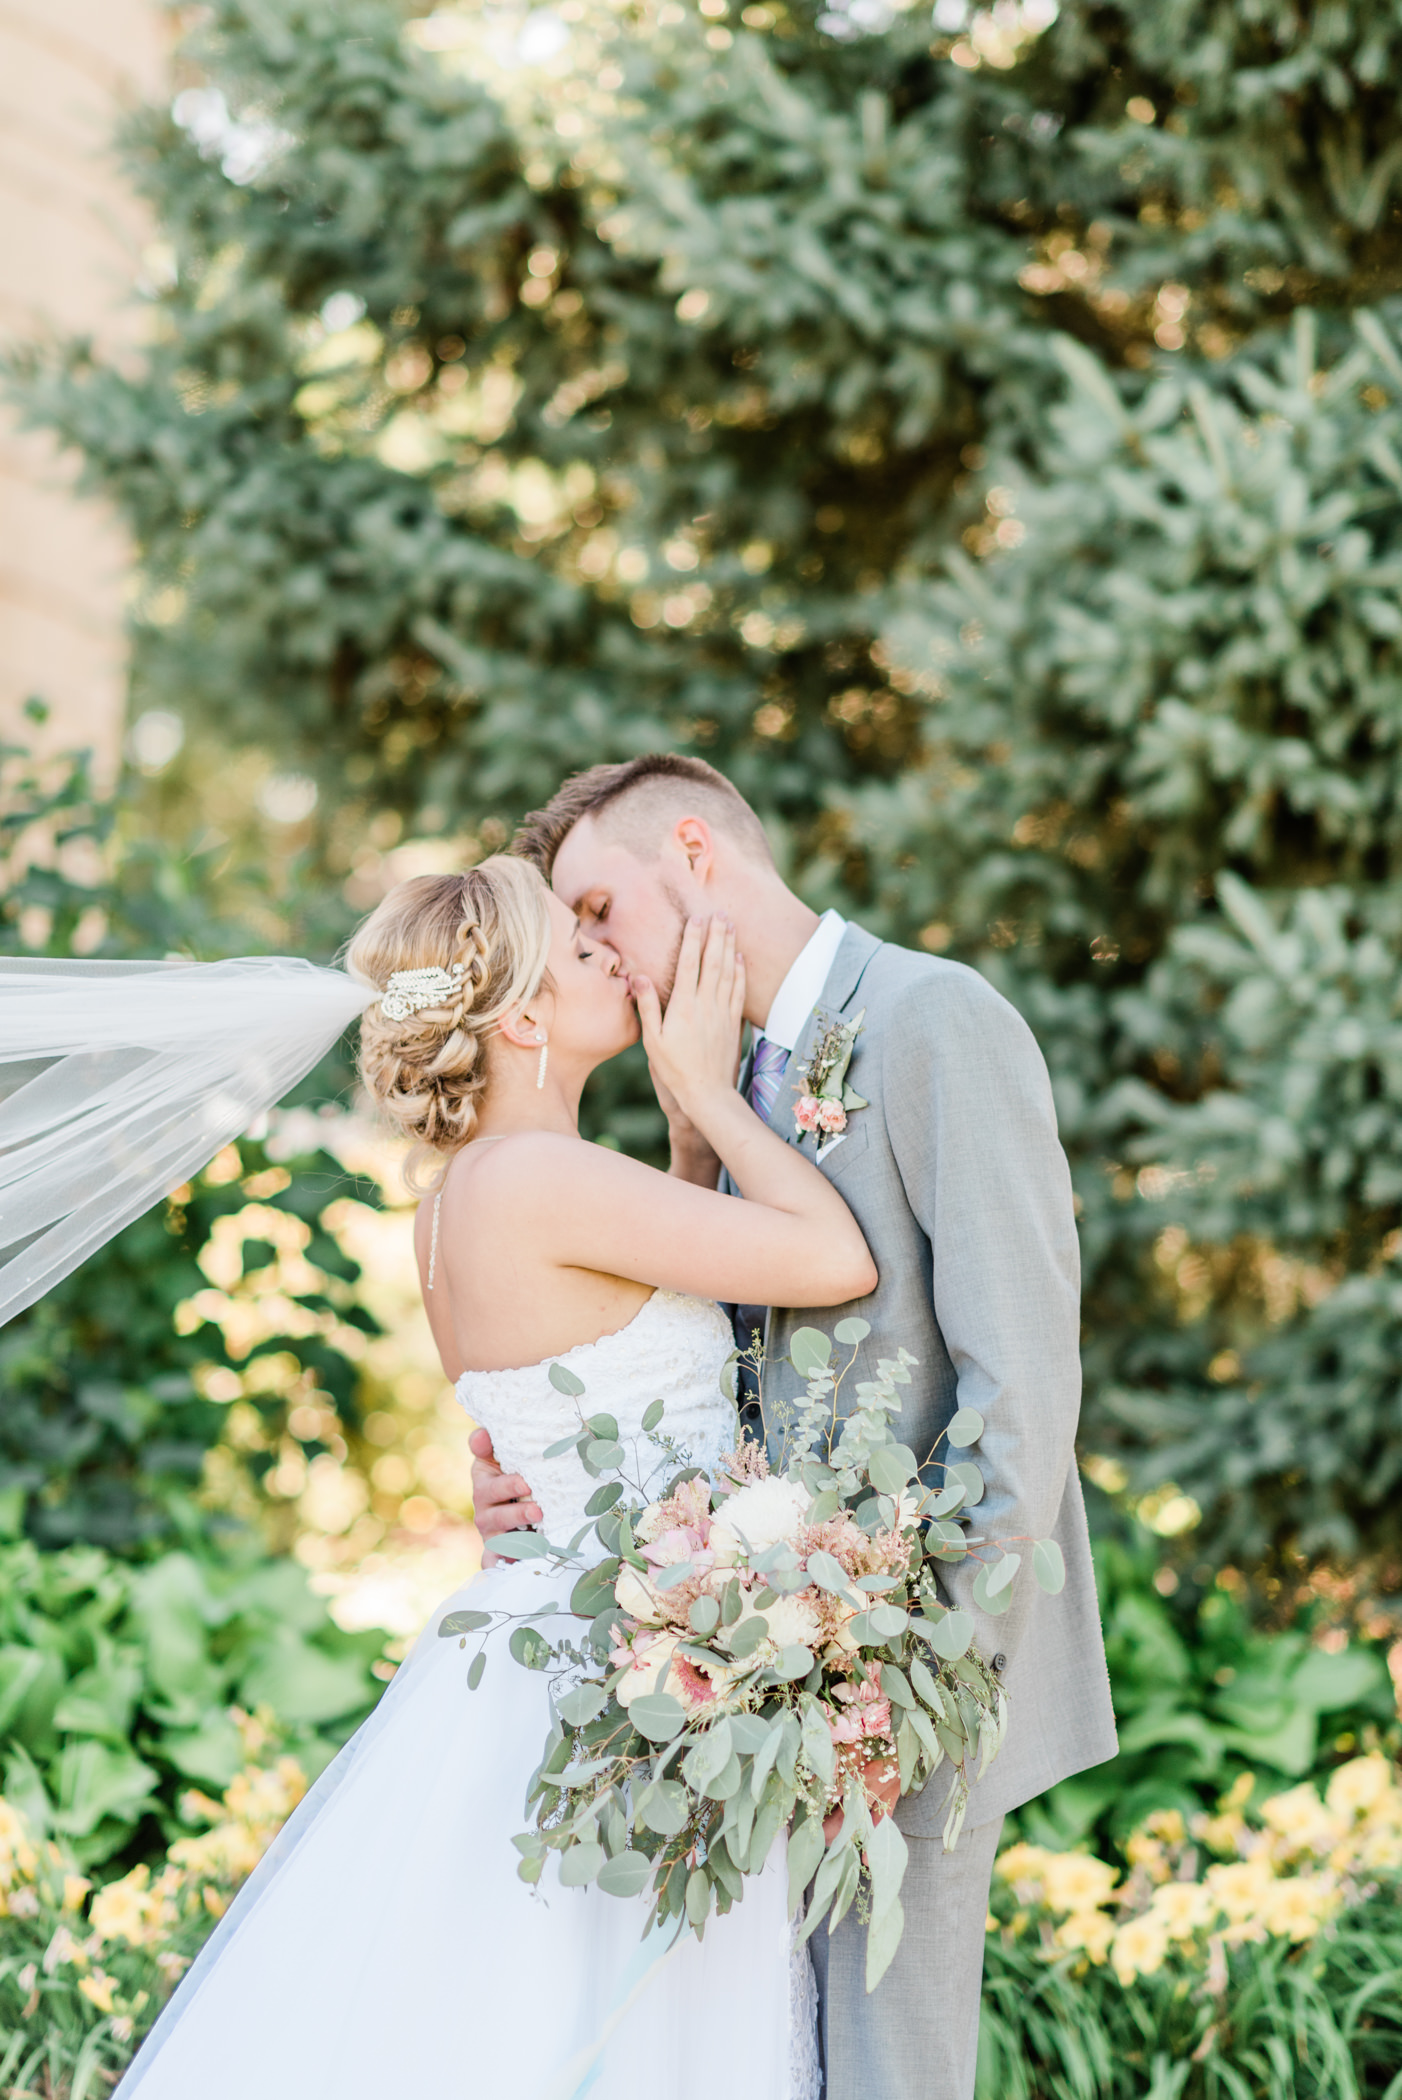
[954,1172]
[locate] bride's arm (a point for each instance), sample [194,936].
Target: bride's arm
[793,1240]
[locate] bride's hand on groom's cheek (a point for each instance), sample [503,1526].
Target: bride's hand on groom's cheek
[693,1048]
[501,1502]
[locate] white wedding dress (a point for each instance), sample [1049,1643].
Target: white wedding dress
[385,1948]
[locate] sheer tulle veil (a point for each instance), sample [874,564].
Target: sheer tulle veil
[118,1080]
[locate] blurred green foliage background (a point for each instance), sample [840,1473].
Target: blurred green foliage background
[979,434]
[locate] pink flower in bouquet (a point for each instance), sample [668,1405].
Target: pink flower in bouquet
[845,1727]
[872,1715]
[671,1548]
[808,1112]
[832,1117]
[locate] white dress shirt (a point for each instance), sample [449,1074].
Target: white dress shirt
[803,987]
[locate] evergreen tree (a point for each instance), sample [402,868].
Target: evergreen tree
[983,444]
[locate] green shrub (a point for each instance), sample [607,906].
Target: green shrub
[116,1683]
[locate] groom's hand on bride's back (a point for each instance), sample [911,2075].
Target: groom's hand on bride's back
[501,1502]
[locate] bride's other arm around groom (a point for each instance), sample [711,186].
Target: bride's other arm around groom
[948,1157]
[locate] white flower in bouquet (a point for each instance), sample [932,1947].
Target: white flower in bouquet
[634,1594]
[762,1514]
[793,1622]
[650,1653]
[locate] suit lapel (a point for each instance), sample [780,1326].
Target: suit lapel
[839,989]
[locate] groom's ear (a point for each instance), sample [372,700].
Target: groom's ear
[693,839]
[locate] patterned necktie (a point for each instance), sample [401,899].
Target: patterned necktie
[771,1062]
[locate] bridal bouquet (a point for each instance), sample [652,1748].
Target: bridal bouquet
[766,1647]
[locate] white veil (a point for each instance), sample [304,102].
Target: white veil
[118,1080]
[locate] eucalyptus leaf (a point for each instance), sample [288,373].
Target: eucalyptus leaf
[994,1602]
[658,1716]
[626,1874]
[1049,1566]
[522,1545]
[749,1635]
[699,1895]
[529,1647]
[605,1427]
[580,1865]
[565,1381]
[652,1415]
[966,1428]
[1003,1573]
[887,1621]
[750,1733]
[663,1807]
[792,1662]
[950,1635]
[971,1480]
[883,1938]
[829,1574]
[853,1329]
[603,1498]
[949,1498]
[475,1669]
[889,1469]
[564,1444]
[732,1602]
[806,1848]
[704,1615]
[605,1454]
[810,1351]
[458,1622]
[709,1754]
[672,1578]
[585,1703]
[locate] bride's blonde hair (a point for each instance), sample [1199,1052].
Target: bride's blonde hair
[428,1071]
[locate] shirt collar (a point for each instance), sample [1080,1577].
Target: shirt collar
[803,987]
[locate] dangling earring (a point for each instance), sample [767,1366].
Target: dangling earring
[540,1068]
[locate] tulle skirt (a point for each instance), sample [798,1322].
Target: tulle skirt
[385,1945]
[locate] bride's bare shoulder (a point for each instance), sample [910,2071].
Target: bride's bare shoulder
[534,1163]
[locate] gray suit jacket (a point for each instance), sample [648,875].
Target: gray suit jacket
[958,1180]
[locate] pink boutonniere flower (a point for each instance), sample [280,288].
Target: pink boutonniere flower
[824,1096]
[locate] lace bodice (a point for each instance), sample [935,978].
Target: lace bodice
[671,1350]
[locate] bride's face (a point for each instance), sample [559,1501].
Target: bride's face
[588,1013]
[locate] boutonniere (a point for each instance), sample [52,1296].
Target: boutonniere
[824,1097]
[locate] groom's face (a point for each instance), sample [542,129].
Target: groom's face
[639,907]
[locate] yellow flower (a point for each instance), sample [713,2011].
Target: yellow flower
[75,1887]
[1240,1887]
[1138,1948]
[1301,1821]
[1149,1845]
[1090,1931]
[1075,1881]
[1380,1851]
[98,1989]
[1166,1823]
[1182,1908]
[1295,1908]
[1362,1786]
[18,1858]
[122,1910]
[1022,1863]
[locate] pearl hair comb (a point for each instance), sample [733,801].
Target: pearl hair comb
[410,991]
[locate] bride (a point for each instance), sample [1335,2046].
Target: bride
[385,1946]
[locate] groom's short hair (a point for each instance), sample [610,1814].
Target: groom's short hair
[636,802]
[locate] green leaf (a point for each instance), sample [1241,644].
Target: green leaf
[462,1622]
[475,1669]
[994,1602]
[971,1480]
[806,1848]
[530,1647]
[704,1615]
[584,1703]
[1048,1566]
[626,1874]
[663,1807]
[853,1329]
[605,1427]
[889,1468]
[792,1662]
[699,1895]
[1002,1573]
[593,1593]
[709,1754]
[751,1633]
[817,1744]
[564,1444]
[949,1636]
[949,1498]
[750,1733]
[965,1428]
[521,1545]
[581,1864]
[658,1716]
[603,1498]
[829,1574]
[604,1454]
[565,1381]
[883,1938]
[652,1415]
[732,1603]
[810,1351]
[887,1621]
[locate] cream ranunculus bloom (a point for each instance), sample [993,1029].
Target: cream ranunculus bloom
[759,1515]
[793,1622]
[641,1676]
[634,1594]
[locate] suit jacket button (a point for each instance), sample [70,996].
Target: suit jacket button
[998,1664]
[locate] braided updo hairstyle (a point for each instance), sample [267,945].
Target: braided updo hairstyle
[428,1072]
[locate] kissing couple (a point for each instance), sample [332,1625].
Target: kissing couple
[386,1944]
